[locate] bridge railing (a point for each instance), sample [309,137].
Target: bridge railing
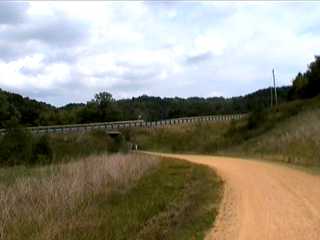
[184,120]
[129,124]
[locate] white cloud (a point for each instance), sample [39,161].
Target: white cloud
[70,50]
[210,42]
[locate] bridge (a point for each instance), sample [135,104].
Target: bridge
[114,127]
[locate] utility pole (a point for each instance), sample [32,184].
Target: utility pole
[271,96]
[275,88]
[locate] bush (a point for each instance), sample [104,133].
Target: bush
[255,119]
[75,145]
[16,147]
[42,152]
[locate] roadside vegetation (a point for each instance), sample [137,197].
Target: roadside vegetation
[109,197]
[292,140]
[199,137]
[288,133]
[19,147]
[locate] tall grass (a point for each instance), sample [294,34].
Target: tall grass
[199,137]
[49,206]
[295,140]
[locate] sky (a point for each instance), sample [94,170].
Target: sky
[62,52]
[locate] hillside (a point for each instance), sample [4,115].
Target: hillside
[104,107]
[289,133]
[27,111]
[294,139]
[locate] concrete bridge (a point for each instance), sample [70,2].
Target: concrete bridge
[114,127]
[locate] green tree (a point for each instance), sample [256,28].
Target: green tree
[299,86]
[313,76]
[307,85]
[107,107]
[103,99]
[4,109]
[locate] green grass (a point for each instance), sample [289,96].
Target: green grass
[178,200]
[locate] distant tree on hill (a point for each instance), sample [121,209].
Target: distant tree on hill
[313,76]
[103,99]
[102,108]
[300,87]
[307,85]
[4,109]
[107,107]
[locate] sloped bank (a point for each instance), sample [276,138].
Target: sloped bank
[113,197]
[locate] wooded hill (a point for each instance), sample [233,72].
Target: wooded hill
[28,112]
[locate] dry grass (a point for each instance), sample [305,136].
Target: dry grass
[42,208]
[295,140]
[194,138]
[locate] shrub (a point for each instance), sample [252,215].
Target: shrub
[16,147]
[118,144]
[255,119]
[42,151]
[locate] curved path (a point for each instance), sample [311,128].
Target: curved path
[263,200]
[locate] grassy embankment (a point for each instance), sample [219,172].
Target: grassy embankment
[108,197]
[20,147]
[289,133]
[192,138]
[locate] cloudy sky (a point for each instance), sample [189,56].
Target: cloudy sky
[62,52]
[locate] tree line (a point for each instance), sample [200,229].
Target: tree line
[103,107]
[307,85]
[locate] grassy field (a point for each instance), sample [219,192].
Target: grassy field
[288,133]
[193,138]
[294,140]
[109,197]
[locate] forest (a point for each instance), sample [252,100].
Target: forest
[103,108]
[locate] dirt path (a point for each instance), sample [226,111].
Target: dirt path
[264,200]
